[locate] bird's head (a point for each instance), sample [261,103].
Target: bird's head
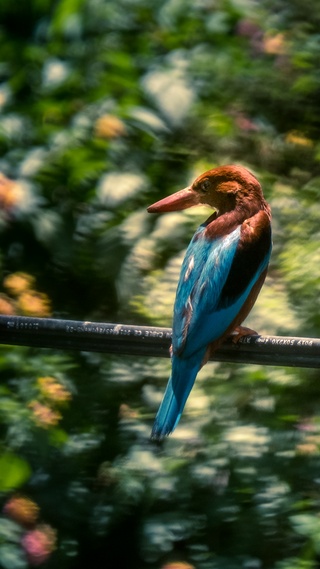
[223,188]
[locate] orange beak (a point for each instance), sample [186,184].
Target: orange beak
[180,200]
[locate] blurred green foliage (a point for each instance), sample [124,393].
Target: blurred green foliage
[106,106]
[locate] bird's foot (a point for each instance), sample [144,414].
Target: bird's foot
[241,331]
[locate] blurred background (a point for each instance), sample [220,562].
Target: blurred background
[105,107]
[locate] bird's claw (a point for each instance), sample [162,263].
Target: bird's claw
[241,331]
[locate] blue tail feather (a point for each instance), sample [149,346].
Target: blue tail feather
[184,372]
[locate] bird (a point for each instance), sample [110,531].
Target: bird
[223,270]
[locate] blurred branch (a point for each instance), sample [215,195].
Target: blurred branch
[150,341]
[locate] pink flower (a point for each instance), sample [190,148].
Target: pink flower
[39,543]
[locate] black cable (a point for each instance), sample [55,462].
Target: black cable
[150,341]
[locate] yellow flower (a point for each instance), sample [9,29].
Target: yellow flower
[8,196]
[22,510]
[17,283]
[53,390]
[295,137]
[43,415]
[6,305]
[178,565]
[126,412]
[33,303]
[307,448]
[275,45]
[109,126]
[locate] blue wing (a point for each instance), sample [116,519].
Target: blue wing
[203,308]
[204,273]
[216,279]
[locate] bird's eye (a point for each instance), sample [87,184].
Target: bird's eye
[205,185]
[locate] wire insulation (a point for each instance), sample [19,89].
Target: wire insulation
[150,341]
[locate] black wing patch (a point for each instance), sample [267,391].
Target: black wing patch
[253,249]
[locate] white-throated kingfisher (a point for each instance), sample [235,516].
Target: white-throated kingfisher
[222,273]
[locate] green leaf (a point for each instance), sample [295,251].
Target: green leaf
[9,531]
[308,525]
[11,557]
[14,471]
[65,9]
